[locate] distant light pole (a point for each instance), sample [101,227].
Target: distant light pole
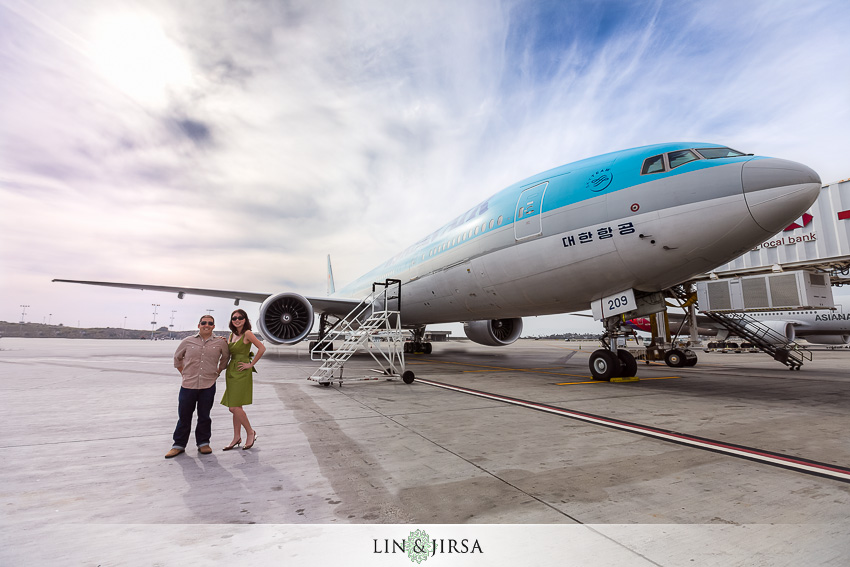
[153,323]
[23,319]
[124,328]
[171,326]
[49,317]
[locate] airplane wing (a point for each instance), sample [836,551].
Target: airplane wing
[332,305]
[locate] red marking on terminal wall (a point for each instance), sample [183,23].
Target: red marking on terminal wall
[805,219]
[844,215]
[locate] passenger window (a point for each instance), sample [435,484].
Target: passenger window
[654,164]
[492,223]
[681,158]
[499,221]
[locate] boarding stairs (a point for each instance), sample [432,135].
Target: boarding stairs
[375,325]
[765,339]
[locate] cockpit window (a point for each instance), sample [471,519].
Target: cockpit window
[681,157]
[714,153]
[654,164]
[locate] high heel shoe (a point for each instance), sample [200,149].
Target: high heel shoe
[234,444]
[251,444]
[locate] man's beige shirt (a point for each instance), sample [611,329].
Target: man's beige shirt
[202,360]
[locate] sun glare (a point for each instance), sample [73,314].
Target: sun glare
[134,53]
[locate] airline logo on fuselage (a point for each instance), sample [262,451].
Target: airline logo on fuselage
[603,233]
[832,317]
[600,180]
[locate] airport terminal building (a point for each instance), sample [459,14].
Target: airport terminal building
[819,240]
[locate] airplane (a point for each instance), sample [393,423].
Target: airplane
[610,232]
[816,326]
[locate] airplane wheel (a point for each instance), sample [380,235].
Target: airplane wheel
[407,377]
[675,358]
[629,363]
[427,348]
[325,384]
[691,361]
[604,365]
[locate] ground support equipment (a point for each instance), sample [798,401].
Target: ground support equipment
[375,324]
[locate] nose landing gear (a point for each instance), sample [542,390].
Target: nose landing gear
[612,362]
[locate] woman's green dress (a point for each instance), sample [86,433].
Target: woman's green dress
[239,383]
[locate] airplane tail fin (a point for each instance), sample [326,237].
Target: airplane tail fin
[331,286]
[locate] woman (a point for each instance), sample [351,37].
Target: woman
[240,384]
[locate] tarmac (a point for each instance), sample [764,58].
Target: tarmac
[736,461]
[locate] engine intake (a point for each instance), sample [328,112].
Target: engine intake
[286,318]
[493,332]
[782,331]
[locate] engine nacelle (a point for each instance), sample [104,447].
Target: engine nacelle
[493,332]
[782,328]
[286,318]
[828,339]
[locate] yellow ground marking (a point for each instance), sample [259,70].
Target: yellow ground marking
[605,381]
[485,368]
[502,369]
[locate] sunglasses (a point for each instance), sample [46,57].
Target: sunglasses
[237,318]
[205,323]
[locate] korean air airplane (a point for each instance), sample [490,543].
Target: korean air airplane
[608,233]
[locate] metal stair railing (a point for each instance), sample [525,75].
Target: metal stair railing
[373,323]
[767,340]
[764,338]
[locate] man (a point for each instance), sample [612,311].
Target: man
[200,360]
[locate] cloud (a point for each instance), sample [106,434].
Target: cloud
[286,131]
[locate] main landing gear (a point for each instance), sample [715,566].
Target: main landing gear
[677,358]
[418,345]
[324,327]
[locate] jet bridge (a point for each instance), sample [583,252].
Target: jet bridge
[728,301]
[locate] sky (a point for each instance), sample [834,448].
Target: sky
[234,145]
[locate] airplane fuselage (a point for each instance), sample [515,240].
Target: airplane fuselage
[557,241]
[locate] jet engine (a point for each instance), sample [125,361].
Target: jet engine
[782,328]
[828,339]
[285,318]
[493,332]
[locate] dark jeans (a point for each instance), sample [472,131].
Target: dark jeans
[187,400]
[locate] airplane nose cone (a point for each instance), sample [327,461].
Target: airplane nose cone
[778,191]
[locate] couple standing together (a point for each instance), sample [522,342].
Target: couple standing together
[200,359]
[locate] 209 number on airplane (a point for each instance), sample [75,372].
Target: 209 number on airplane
[614,304]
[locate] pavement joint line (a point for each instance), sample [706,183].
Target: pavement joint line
[464,459]
[789,462]
[503,369]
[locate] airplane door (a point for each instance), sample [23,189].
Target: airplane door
[527,220]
